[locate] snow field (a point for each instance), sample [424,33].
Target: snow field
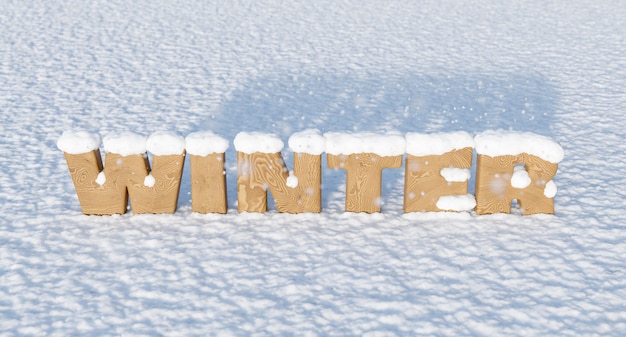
[555,69]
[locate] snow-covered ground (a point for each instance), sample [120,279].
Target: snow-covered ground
[556,68]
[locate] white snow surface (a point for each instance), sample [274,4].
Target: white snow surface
[346,143]
[550,190]
[149,180]
[78,142]
[309,141]
[251,142]
[125,143]
[497,143]
[454,174]
[292,180]
[101,178]
[553,68]
[457,203]
[423,144]
[204,143]
[520,178]
[163,143]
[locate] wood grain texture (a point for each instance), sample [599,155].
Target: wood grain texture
[308,193]
[95,199]
[125,182]
[259,172]
[163,196]
[208,184]
[494,193]
[363,178]
[423,183]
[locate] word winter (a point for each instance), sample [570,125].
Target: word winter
[510,167]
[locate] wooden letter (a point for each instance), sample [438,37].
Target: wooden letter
[126,176]
[494,192]
[258,172]
[363,178]
[94,198]
[424,184]
[208,184]
[162,197]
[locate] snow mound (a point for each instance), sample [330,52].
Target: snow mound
[453,174]
[550,190]
[163,143]
[101,178]
[204,143]
[309,141]
[77,142]
[251,142]
[292,180]
[338,143]
[500,143]
[420,144]
[149,180]
[457,203]
[125,143]
[520,178]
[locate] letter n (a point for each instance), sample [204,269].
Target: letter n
[257,172]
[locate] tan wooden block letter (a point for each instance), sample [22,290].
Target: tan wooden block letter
[424,184]
[94,198]
[167,171]
[258,172]
[363,178]
[125,177]
[208,184]
[494,192]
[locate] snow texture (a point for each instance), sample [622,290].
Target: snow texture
[554,68]
[420,144]
[251,142]
[204,143]
[101,178]
[391,144]
[163,143]
[309,141]
[520,178]
[453,174]
[292,180]
[457,203]
[149,180]
[78,142]
[550,190]
[498,143]
[125,143]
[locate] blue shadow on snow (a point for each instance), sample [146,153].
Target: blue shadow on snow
[284,104]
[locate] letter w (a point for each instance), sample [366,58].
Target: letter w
[106,191]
